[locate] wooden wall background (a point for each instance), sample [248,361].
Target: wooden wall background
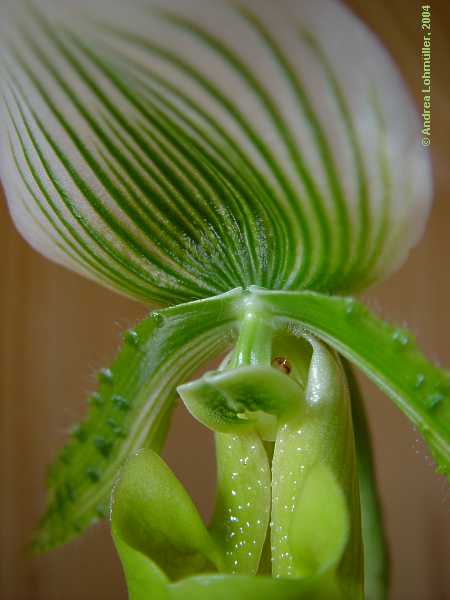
[56,329]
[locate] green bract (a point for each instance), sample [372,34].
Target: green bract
[236,163]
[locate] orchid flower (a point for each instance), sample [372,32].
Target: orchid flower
[242,167]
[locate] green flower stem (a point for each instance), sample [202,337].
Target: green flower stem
[376,560]
[254,344]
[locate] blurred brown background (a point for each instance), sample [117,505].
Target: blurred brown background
[56,329]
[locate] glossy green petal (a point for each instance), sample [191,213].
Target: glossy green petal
[176,149]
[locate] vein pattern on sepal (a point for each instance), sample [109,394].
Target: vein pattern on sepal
[176,150]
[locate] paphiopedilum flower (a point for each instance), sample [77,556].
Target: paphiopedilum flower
[245,165]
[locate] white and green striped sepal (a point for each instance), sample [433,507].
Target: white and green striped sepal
[176,149]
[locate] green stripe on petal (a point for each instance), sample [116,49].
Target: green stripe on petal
[175,150]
